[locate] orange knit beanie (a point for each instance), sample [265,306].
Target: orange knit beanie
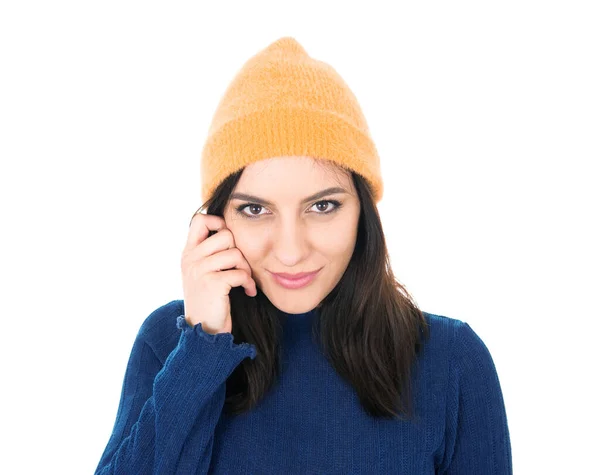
[284,103]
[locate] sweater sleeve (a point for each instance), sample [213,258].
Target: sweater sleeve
[161,406]
[477,435]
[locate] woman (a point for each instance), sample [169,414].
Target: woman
[334,372]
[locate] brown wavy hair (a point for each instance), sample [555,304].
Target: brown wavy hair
[369,327]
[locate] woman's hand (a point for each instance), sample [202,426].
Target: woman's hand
[210,267]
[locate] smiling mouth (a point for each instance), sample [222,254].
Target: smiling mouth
[295,283]
[294,276]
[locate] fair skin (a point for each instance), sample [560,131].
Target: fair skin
[289,235]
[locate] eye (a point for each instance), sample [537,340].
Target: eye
[254,206]
[327,203]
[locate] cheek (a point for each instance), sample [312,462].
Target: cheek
[339,240]
[336,250]
[250,244]
[245,230]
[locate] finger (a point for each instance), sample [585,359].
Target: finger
[235,278]
[200,227]
[222,261]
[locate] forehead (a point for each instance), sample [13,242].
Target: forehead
[301,171]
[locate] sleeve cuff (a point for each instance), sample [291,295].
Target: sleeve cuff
[225,338]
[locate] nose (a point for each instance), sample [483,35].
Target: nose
[290,243]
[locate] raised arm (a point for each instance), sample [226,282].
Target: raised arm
[160,405]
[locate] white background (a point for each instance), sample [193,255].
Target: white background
[486,117]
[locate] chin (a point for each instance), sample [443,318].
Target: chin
[294,304]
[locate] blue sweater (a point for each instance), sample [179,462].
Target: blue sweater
[169,418]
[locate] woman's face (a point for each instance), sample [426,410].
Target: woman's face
[278,231]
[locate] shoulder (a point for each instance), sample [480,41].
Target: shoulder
[443,331]
[159,329]
[464,347]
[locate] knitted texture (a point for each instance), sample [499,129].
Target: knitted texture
[170,418]
[283,102]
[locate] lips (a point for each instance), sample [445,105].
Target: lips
[297,281]
[294,276]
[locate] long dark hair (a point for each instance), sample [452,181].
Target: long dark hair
[369,327]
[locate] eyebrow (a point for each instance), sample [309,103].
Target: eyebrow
[261,201]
